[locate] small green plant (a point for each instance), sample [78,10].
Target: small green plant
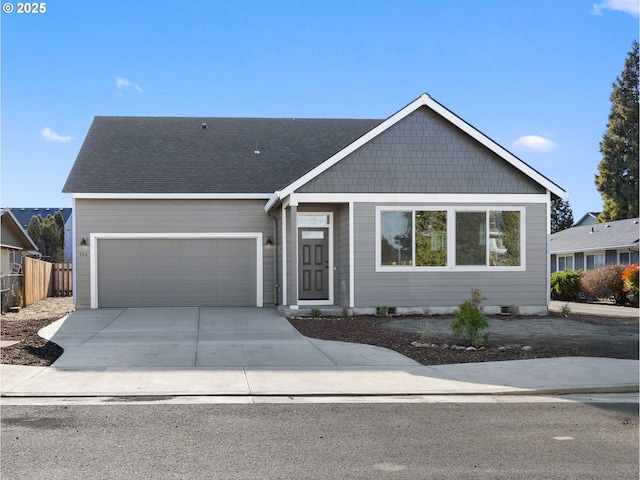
[383,311]
[565,310]
[316,313]
[470,320]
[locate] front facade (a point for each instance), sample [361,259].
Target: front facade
[410,213]
[595,245]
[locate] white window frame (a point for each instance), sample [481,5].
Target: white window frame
[594,254]
[451,238]
[573,260]
[628,252]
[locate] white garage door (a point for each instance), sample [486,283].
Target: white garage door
[176,272]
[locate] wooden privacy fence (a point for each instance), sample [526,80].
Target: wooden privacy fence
[37,279]
[44,279]
[62,280]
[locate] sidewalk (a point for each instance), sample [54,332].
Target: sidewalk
[543,376]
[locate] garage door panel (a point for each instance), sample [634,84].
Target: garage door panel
[176,272]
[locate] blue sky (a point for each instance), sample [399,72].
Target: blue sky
[535,76]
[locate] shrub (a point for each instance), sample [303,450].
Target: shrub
[604,283]
[565,285]
[316,313]
[630,280]
[470,320]
[383,311]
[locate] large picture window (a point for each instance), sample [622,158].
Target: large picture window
[415,238]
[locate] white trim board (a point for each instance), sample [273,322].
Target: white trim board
[93,254]
[434,198]
[173,196]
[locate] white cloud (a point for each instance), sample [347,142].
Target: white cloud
[632,7]
[535,142]
[126,83]
[51,136]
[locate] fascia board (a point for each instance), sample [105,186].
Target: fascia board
[173,196]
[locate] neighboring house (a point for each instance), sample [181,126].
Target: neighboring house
[410,212]
[24,216]
[14,241]
[588,218]
[592,246]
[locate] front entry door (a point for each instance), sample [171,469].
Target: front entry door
[313,264]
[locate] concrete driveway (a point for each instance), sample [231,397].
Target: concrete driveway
[200,337]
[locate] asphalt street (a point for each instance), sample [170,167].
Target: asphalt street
[321,441]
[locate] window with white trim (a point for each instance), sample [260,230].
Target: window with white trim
[565,262]
[594,260]
[628,258]
[464,238]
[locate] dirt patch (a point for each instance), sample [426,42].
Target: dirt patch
[23,327]
[381,332]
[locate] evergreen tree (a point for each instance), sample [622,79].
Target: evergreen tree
[561,215]
[617,179]
[46,234]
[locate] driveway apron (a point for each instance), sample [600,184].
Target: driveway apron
[179,337]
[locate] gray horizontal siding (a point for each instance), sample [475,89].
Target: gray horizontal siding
[410,289]
[171,216]
[423,153]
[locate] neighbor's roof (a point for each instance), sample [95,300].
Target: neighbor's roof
[15,232]
[230,155]
[23,215]
[601,236]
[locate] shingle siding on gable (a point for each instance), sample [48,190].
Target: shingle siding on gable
[422,154]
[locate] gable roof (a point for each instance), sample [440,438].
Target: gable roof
[252,157]
[13,235]
[588,218]
[423,101]
[230,156]
[23,215]
[601,236]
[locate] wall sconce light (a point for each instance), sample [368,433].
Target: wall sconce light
[83,242]
[269,241]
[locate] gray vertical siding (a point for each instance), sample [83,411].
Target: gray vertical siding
[435,289]
[423,154]
[171,216]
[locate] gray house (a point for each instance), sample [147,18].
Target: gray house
[410,212]
[595,245]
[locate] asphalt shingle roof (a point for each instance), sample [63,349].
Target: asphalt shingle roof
[176,155]
[23,215]
[601,236]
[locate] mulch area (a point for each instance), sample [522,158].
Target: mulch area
[368,330]
[23,327]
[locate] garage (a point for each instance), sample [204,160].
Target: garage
[156,272]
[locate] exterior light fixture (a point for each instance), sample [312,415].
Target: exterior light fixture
[83,242]
[269,242]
